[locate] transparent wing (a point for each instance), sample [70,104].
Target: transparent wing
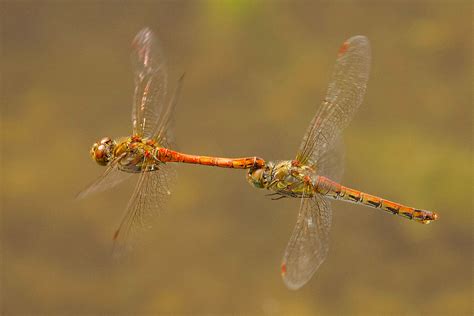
[345,93]
[110,178]
[163,133]
[309,242]
[151,192]
[331,162]
[151,82]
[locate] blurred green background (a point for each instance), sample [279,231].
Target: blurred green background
[255,74]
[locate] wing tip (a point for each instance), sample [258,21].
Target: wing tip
[359,40]
[290,284]
[145,35]
[145,31]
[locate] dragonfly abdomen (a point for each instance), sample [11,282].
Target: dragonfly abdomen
[167,155]
[335,190]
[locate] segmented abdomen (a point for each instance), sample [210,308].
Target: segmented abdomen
[167,155]
[335,190]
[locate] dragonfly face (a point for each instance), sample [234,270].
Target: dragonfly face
[261,177]
[103,151]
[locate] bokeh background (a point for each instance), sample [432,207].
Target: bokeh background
[255,74]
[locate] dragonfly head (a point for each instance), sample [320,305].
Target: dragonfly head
[102,151]
[260,177]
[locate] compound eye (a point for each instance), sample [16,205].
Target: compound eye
[93,149]
[105,140]
[99,153]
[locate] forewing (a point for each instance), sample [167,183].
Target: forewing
[309,242]
[151,192]
[163,133]
[110,178]
[151,82]
[345,93]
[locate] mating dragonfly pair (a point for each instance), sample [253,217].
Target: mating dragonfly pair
[311,176]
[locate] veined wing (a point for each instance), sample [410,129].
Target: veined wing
[151,192]
[345,93]
[110,178]
[331,162]
[163,133]
[151,80]
[309,242]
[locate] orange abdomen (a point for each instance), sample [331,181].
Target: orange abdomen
[335,190]
[167,155]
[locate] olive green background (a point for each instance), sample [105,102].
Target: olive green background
[255,74]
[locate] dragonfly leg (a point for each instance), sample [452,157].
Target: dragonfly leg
[271,194]
[272,184]
[275,198]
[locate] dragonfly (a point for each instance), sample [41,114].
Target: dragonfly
[147,152]
[314,175]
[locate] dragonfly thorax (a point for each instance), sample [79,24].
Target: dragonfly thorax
[285,178]
[136,154]
[102,151]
